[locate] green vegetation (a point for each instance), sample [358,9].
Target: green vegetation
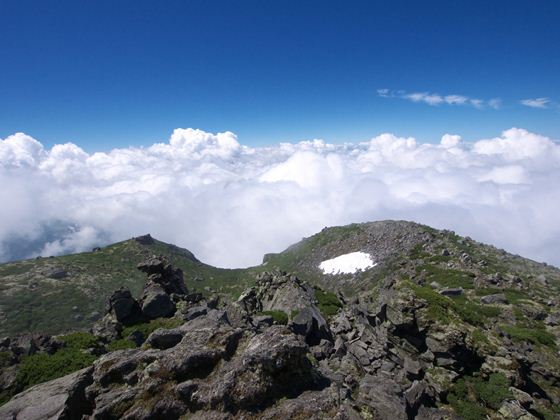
[80,340]
[5,357]
[439,307]
[473,313]
[479,338]
[536,335]
[472,395]
[44,367]
[484,291]
[515,296]
[148,327]
[279,317]
[33,303]
[121,344]
[327,302]
[447,277]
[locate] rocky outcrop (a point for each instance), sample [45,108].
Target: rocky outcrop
[62,398]
[445,330]
[124,308]
[164,287]
[278,291]
[205,366]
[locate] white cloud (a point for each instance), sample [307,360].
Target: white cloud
[230,203]
[536,102]
[436,99]
[429,98]
[495,103]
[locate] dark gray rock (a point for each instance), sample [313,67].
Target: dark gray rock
[56,273]
[195,312]
[155,303]
[62,398]
[451,291]
[124,307]
[262,321]
[310,323]
[145,239]
[161,272]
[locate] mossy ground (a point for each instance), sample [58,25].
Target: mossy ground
[279,317]
[472,396]
[43,367]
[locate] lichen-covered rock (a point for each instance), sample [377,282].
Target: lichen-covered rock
[155,303]
[62,398]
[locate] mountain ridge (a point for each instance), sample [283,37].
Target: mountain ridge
[440,327]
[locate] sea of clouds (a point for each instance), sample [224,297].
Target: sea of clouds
[230,203]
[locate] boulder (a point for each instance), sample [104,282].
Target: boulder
[498,298]
[310,323]
[155,303]
[194,312]
[124,307]
[62,398]
[56,273]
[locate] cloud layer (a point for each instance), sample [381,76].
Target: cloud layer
[230,204]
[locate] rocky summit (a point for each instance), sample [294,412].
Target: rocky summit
[436,326]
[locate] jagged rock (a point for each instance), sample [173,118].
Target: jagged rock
[524,398]
[156,303]
[195,312]
[498,298]
[415,396]
[161,272]
[62,398]
[124,307]
[513,410]
[382,394]
[310,323]
[359,350]
[340,323]
[394,350]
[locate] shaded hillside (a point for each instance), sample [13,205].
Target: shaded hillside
[57,294]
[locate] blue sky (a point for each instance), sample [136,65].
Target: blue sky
[106,74]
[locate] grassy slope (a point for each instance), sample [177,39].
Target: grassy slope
[30,302]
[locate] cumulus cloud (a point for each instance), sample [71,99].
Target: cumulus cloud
[536,102]
[230,203]
[436,99]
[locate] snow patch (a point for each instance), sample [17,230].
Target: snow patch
[347,263]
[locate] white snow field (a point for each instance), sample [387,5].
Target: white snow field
[347,263]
